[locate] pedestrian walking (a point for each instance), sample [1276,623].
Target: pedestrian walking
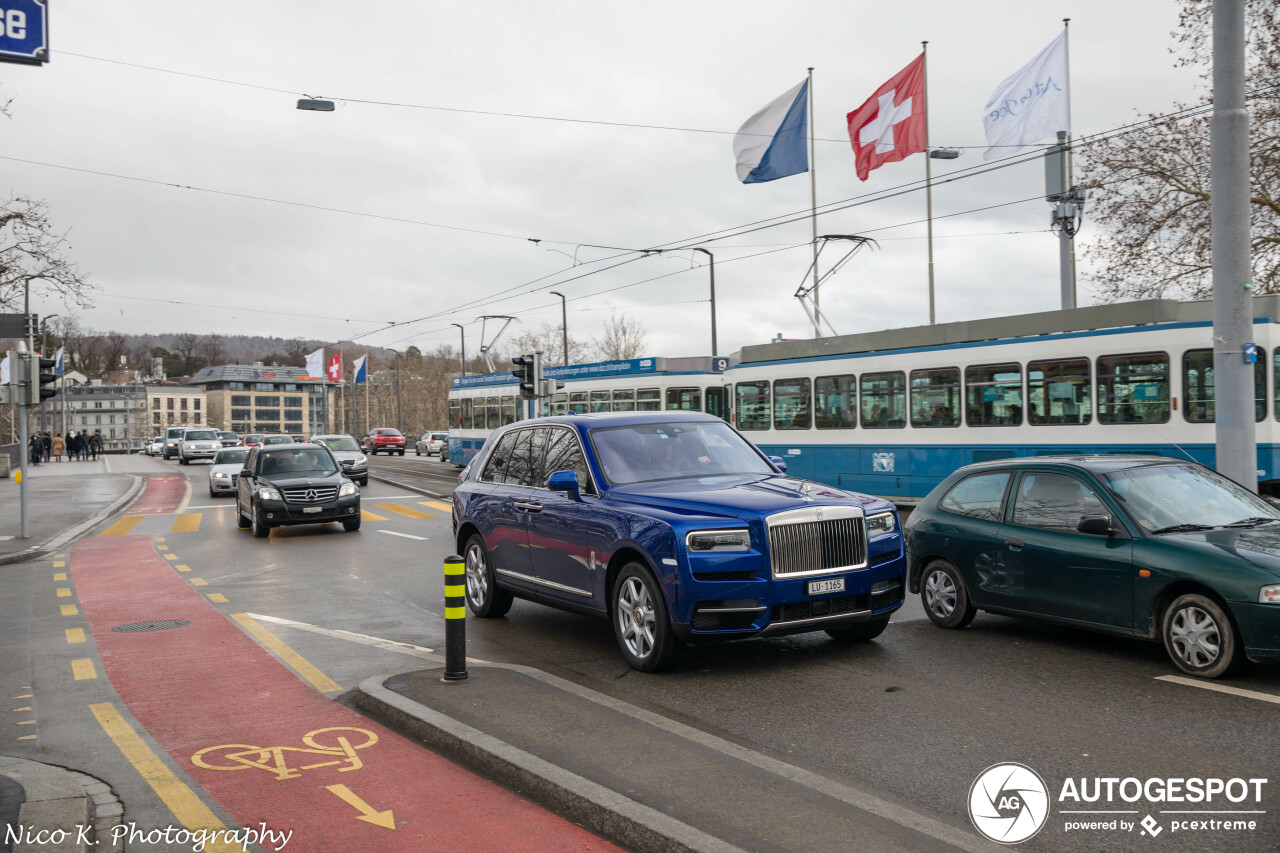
[95,443]
[73,447]
[46,442]
[59,447]
[35,449]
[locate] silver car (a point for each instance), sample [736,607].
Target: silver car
[198,443]
[349,455]
[226,467]
[432,444]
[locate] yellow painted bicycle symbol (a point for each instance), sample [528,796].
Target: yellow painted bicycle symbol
[240,756]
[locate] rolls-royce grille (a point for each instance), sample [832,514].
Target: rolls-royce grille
[316,495]
[816,546]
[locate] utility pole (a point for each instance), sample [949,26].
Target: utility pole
[399,415]
[1233,352]
[1068,207]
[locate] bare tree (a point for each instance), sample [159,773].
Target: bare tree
[212,349]
[550,339]
[623,338]
[1150,190]
[296,350]
[185,346]
[33,255]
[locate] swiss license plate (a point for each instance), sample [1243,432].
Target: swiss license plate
[321,509]
[829,585]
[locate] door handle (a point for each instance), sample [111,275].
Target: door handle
[1014,544]
[528,507]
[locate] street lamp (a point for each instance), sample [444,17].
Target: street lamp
[564,324]
[464,346]
[707,252]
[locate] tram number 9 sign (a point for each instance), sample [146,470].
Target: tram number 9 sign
[24,31]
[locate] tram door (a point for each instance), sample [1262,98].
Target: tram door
[718,402]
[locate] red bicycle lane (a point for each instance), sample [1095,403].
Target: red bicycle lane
[270,749]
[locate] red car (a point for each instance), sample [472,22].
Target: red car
[383,440]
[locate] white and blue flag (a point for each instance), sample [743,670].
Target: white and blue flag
[358,366]
[59,366]
[773,143]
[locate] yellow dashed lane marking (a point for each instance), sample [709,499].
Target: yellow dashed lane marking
[70,610]
[59,564]
[187,523]
[440,505]
[181,800]
[27,737]
[123,527]
[199,582]
[59,576]
[170,556]
[75,635]
[300,665]
[365,515]
[83,669]
[162,547]
[26,722]
[16,710]
[64,592]
[217,598]
[405,511]
[182,568]
[159,538]
[24,695]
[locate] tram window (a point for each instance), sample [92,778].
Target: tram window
[508,410]
[752,401]
[791,404]
[559,403]
[1133,389]
[648,400]
[684,399]
[718,402]
[455,414]
[624,400]
[994,395]
[601,401]
[835,398]
[578,402]
[935,398]
[1059,392]
[884,400]
[1197,386]
[465,416]
[493,413]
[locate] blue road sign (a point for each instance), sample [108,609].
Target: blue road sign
[1250,353]
[24,31]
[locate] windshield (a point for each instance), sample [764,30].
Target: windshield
[646,452]
[200,435]
[297,462]
[235,456]
[277,439]
[339,442]
[227,436]
[1161,496]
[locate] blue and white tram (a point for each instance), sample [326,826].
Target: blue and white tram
[481,403]
[893,413]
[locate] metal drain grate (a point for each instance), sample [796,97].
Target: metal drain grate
[159,625]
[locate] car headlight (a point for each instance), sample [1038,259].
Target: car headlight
[269,494]
[1269,594]
[219,475]
[881,523]
[361,460]
[347,489]
[703,541]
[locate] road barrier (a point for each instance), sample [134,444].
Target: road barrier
[455,619]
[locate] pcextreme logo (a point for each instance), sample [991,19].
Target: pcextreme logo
[1008,803]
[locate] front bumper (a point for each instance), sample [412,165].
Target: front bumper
[1259,626]
[227,485]
[276,513]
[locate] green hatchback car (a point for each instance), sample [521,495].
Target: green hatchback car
[1144,546]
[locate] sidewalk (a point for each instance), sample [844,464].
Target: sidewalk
[64,499]
[638,779]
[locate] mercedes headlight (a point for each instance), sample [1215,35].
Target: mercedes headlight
[347,489]
[269,494]
[705,541]
[881,523]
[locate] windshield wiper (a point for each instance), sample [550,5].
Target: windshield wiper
[1254,521]
[1182,528]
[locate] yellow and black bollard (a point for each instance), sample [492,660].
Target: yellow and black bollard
[455,619]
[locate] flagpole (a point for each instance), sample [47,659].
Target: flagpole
[1066,39]
[928,180]
[813,210]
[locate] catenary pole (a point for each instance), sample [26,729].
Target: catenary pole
[813,209]
[928,179]
[1237,442]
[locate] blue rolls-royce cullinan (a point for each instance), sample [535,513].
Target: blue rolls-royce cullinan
[674,527]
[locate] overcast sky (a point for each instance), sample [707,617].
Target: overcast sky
[206,206]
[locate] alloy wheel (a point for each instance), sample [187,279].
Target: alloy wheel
[636,617]
[940,594]
[477,576]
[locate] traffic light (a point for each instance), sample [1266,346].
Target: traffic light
[529,375]
[551,386]
[39,378]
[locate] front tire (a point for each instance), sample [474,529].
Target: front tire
[945,597]
[184,460]
[1199,636]
[241,521]
[351,526]
[260,527]
[640,620]
[364,482]
[485,598]
[859,632]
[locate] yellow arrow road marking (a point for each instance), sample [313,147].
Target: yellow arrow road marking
[384,819]
[365,515]
[438,505]
[405,511]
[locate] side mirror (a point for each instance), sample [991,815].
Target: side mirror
[1096,525]
[778,463]
[565,481]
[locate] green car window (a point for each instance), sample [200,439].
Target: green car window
[1054,501]
[977,496]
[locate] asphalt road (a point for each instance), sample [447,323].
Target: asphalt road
[913,717]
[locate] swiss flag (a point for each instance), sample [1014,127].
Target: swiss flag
[335,368]
[891,124]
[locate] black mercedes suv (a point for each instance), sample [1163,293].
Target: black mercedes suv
[294,484]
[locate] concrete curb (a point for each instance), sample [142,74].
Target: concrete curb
[402,485]
[56,542]
[56,798]
[606,813]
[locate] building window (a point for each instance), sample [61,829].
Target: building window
[240,414]
[273,401]
[155,402]
[171,419]
[97,419]
[267,414]
[111,419]
[195,404]
[155,417]
[296,415]
[97,404]
[169,403]
[264,386]
[293,402]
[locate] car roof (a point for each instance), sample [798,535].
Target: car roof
[596,420]
[1093,463]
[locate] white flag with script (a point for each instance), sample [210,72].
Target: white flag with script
[1030,105]
[4,370]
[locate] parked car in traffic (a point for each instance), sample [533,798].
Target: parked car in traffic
[229,438]
[675,528]
[155,447]
[345,449]
[172,438]
[383,440]
[253,439]
[198,443]
[432,444]
[1141,546]
[276,439]
[225,469]
[287,484]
